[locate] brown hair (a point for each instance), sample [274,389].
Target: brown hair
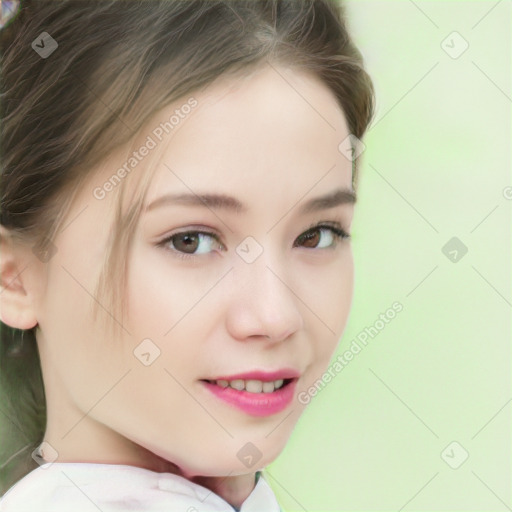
[117,63]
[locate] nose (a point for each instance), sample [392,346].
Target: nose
[263,302]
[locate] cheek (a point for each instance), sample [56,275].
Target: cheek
[151,305]
[73,273]
[330,302]
[75,341]
[343,294]
[68,304]
[328,292]
[165,293]
[165,305]
[157,294]
[77,356]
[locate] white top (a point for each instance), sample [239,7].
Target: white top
[90,487]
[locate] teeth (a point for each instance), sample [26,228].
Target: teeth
[237,384]
[268,387]
[252,386]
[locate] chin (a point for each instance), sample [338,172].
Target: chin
[231,466]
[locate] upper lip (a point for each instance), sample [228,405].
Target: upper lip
[264,376]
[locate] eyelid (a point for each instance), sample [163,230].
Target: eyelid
[329,224]
[191,229]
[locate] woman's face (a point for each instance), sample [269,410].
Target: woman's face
[245,292]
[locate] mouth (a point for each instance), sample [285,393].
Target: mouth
[251,385]
[253,396]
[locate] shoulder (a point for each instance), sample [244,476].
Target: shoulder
[32,492]
[81,487]
[88,487]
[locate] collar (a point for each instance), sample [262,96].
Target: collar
[87,487]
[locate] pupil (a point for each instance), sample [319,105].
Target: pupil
[311,238]
[188,241]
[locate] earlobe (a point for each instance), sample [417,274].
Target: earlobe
[16,308]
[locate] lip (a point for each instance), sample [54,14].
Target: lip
[264,376]
[255,404]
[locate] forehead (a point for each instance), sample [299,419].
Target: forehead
[276,127]
[268,137]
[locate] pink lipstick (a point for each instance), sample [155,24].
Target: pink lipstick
[258,393]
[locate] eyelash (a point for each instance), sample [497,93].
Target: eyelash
[339,235]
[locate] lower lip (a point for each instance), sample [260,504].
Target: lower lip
[255,404]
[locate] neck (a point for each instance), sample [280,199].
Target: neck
[232,489]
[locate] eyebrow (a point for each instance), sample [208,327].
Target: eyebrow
[221,201]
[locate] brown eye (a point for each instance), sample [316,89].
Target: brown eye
[185,242]
[190,243]
[311,239]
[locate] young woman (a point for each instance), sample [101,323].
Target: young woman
[178,185]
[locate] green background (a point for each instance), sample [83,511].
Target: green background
[436,165]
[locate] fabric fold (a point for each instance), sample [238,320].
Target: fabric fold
[89,487]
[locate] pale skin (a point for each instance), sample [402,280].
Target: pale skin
[271,148]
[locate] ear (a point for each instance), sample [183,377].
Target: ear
[16,305]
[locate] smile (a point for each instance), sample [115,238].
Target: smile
[252,386]
[254,397]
